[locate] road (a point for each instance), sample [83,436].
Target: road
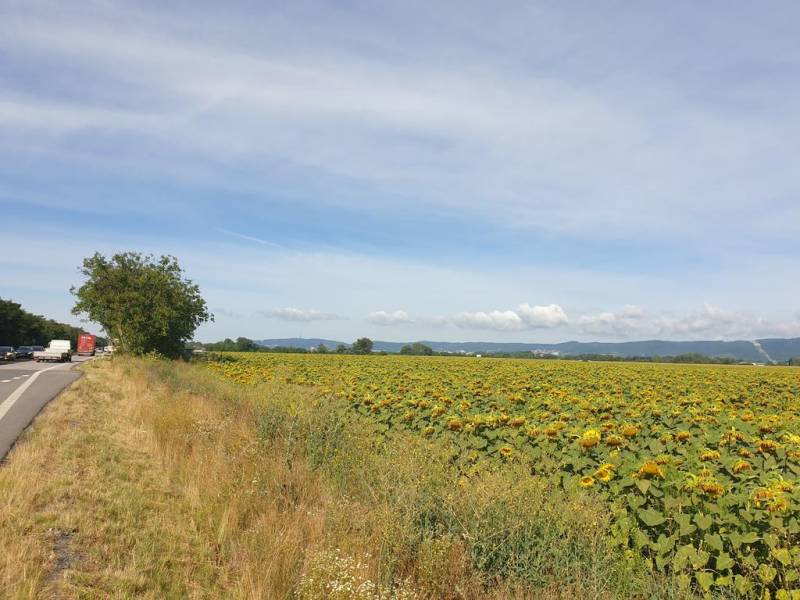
[25,388]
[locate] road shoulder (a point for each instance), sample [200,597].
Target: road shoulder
[84,505]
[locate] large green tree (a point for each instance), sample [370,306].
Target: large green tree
[18,327]
[362,346]
[144,303]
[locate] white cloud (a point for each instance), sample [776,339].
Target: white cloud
[525,317]
[499,320]
[709,322]
[551,315]
[382,317]
[298,314]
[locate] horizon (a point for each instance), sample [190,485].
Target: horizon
[413,171]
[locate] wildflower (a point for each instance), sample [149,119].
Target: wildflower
[589,439]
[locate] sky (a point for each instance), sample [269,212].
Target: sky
[454,171]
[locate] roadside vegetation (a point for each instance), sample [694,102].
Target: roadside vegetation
[158,479]
[18,327]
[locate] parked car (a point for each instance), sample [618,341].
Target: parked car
[7,353]
[24,352]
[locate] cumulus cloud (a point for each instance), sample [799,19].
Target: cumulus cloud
[298,314]
[499,320]
[525,317]
[551,315]
[708,322]
[382,317]
[628,322]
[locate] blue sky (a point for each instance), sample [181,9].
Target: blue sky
[413,170]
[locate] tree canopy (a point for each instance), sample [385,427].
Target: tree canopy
[18,327]
[417,348]
[362,346]
[143,303]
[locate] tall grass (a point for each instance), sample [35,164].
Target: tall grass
[300,498]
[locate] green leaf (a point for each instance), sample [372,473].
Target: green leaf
[743,584]
[684,522]
[651,517]
[703,521]
[724,561]
[767,573]
[713,540]
[751,537]
[783,556]
[705,580]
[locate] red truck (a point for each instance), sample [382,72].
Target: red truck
[86,344]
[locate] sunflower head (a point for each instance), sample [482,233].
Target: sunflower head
[589,439]
[587,481]
[650,469]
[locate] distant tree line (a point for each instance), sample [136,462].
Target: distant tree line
[18,327]
[365,346]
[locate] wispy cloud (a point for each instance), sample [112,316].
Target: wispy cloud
[382,317]
[250,238]
[298,314]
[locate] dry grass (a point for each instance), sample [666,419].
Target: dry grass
[152,479]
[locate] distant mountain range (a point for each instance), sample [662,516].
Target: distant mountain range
[765,350]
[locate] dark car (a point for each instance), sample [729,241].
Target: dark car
[25,352]
[7,353]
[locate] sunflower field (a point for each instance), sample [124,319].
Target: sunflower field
[699,465]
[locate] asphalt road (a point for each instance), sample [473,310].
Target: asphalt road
[25,388]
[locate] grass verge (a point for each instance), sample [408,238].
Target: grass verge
[157,480]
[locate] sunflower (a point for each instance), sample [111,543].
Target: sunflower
[682,436]
[589,439]
[711,488]
[605,472]
[587,481]
[615,441]
[506,452]
[708,455]
[768,446]
[629,430]
[741,466]
[650,469]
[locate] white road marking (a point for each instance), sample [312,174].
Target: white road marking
[17,393]
[6,381]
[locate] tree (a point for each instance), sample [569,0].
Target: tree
[417,348]
[341,349]
[322,349]
[143,303]
[362,346]
[18,327]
